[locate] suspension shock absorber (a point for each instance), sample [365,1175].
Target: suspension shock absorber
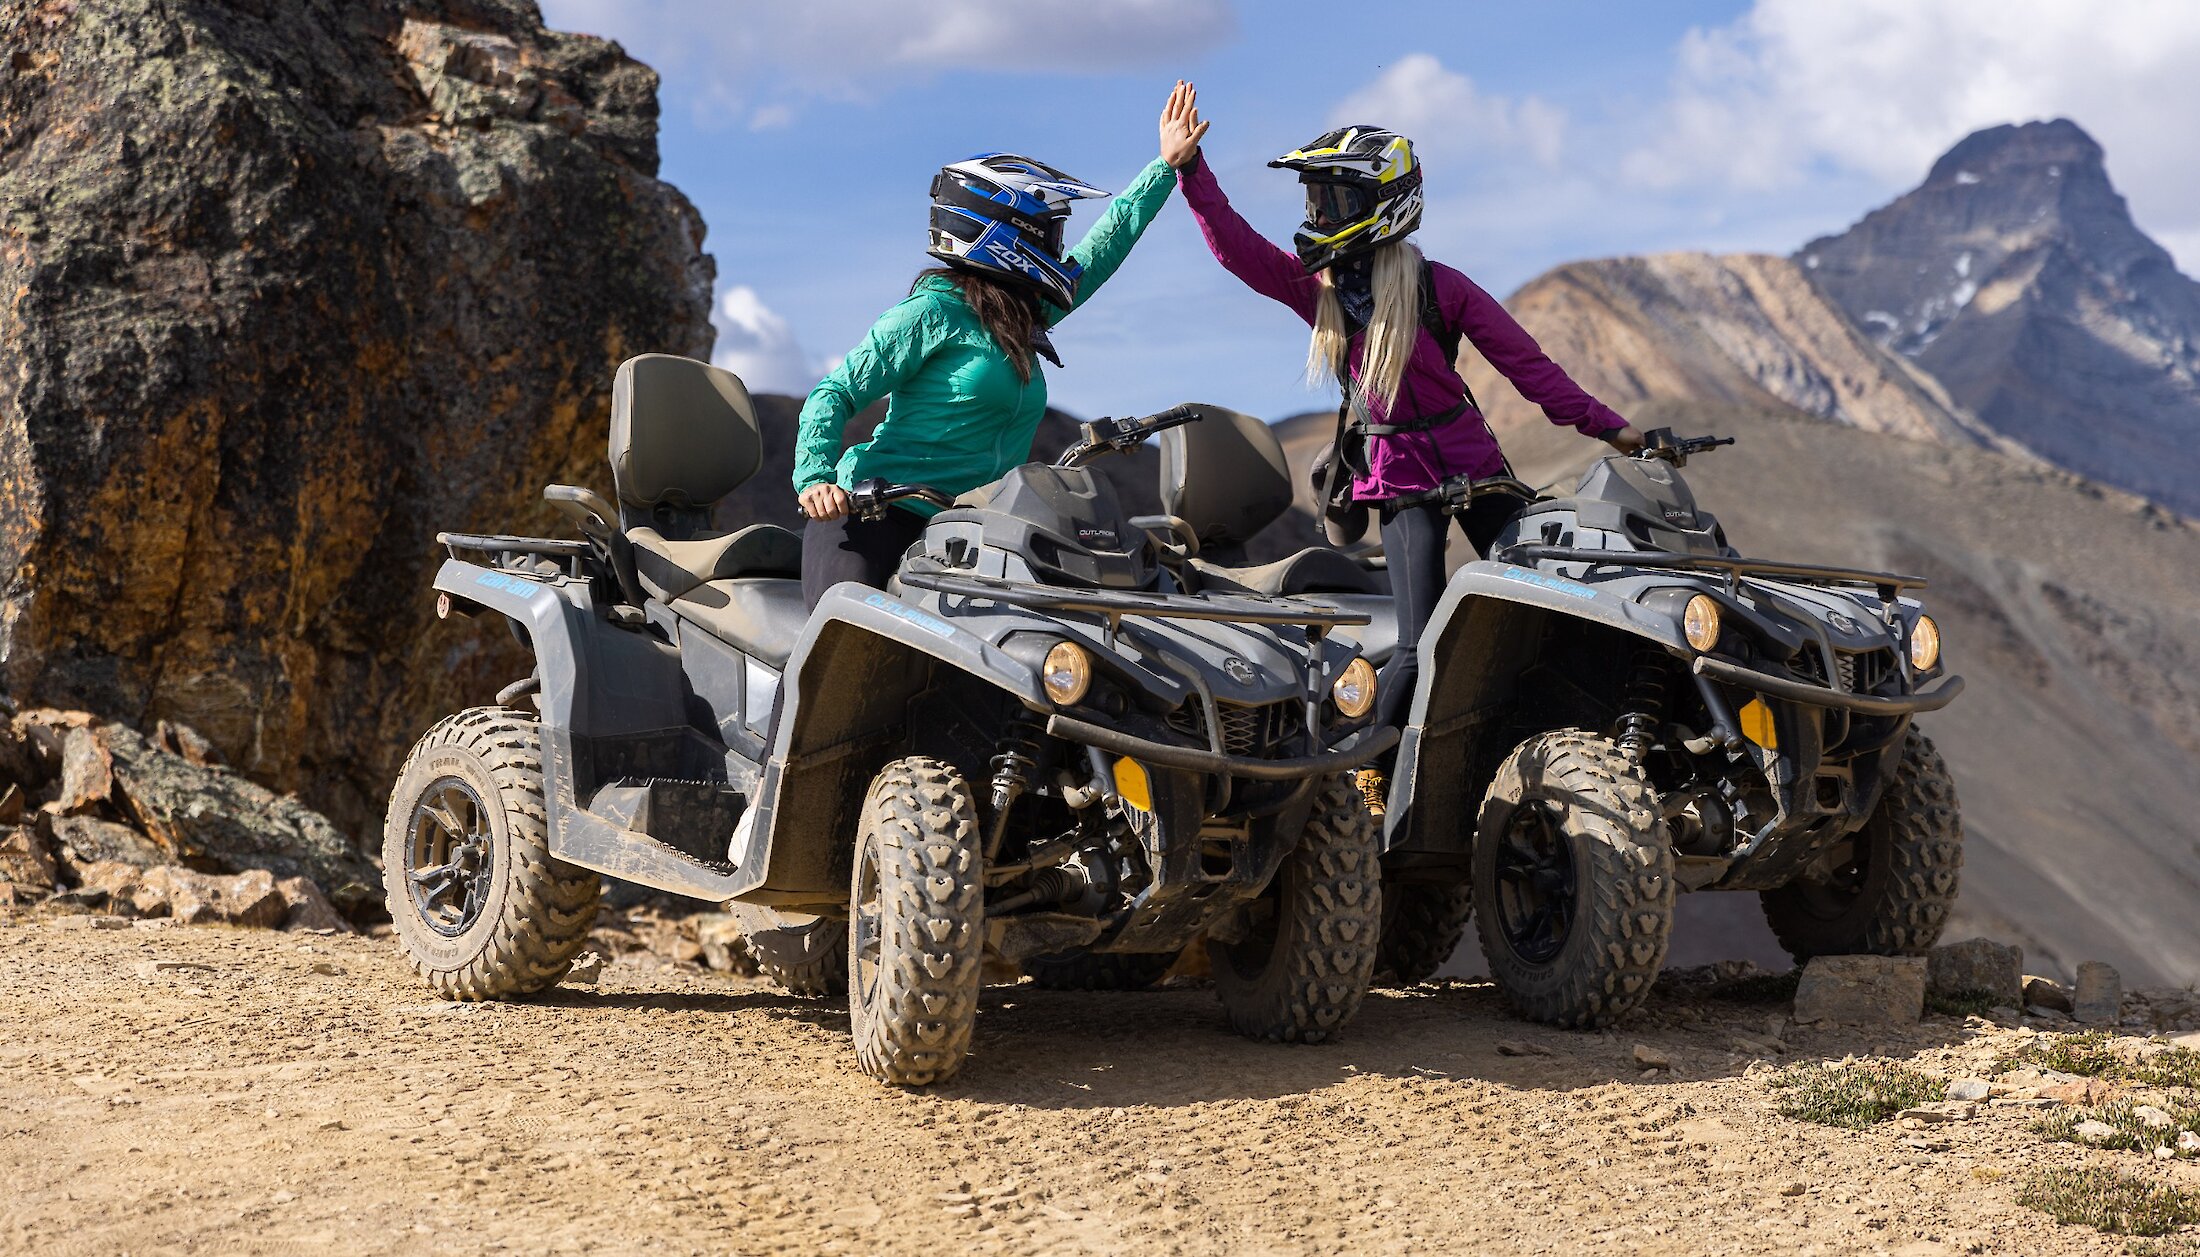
[1645,705]
[1012,766]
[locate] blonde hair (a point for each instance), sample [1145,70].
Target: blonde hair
[1392,329]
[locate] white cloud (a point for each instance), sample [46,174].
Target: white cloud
[1442,111]
[756,62]
[1882,87]
[756,343]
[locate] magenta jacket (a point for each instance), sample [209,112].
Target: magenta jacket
[1408,462]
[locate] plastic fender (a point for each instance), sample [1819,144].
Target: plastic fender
[1469,647]
[535,606]
[861,657]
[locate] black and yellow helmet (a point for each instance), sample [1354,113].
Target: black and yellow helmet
[1363,189]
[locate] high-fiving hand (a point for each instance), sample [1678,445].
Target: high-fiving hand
[1181,128]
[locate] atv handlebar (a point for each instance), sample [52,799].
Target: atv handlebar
[1115,436]
[869,498]
[1677,450]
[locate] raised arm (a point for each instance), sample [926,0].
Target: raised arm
[891,352]
[1517,357]
[1103,249]
[1244,252]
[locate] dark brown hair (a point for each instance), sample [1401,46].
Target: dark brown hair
[1009,313]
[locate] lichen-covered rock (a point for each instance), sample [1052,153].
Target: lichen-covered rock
[215,817]
[1862,990]
[286,286]
[1976,966]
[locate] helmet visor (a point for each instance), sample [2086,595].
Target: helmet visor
[1332,205]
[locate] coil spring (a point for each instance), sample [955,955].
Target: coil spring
[1645,706]
[1012,766]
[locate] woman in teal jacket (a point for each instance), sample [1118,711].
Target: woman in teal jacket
[958,357]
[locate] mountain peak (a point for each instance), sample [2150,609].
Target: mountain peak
[2016,277]
[2059,145]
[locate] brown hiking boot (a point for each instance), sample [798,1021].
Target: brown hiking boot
[1374,789]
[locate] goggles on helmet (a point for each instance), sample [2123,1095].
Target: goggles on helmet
[1337,204]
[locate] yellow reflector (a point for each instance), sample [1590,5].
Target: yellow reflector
[1757,724]
[1132,786]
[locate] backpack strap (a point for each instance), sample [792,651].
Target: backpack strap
[1434,323]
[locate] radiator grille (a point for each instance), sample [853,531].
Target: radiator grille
[1246,729]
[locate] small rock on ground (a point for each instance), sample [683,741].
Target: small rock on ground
[1862,990]
[2099,998]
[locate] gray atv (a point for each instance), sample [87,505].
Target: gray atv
[1617,706]
[1034,745]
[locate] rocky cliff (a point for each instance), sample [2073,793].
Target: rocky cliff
[2015,276]
[1744,331]
[289,285]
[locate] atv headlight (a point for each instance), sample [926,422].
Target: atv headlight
[1700,623]
[1924,643]
[1354,689]
[1067,673]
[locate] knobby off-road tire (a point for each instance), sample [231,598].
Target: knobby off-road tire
[472,791]
[1896,893]
[1301,973]
[1571,830]
[916,923]
[1422,925]
[809,960]
[1098,971]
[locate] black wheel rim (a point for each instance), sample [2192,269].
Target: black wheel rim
[1535,883]
[866,929]
[450,861]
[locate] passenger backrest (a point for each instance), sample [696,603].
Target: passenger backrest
[1226,476]
[683,435]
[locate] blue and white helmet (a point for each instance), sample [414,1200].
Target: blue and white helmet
[1003,214]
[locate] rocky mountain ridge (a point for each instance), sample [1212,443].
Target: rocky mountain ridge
[2015,276]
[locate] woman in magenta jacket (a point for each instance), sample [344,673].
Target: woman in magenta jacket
[1359,284]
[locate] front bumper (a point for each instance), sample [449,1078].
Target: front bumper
[1820,696]
[1356,750]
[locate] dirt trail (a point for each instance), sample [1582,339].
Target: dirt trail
[259,1106]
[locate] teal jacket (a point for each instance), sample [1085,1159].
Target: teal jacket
[959,417]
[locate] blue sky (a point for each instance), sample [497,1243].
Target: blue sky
[807,130]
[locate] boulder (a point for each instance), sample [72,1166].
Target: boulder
[87,770]
[2099,998]
[92,840]
[192,898]
[1862,990]
[25,859]
[1976,966]
[290,287]
[306,908]
[2046,993]
[210,816]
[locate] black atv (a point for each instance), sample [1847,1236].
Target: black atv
[1617,706]
[1035,744]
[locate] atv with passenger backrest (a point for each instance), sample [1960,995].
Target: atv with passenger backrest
[1617,705]
[1035,744]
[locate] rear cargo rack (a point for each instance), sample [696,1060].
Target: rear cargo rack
[489,543]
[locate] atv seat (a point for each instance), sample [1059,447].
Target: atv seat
[669,569]
[1313,570]
[1228,478]
[683,436]
[760,616]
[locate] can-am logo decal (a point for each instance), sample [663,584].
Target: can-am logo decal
[1842,622]
[1237,669]
[516,585]
[1552,583]
[910,615]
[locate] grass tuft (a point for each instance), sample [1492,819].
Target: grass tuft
[2167,1246]
[2110,1200]
[1854,1096]
[2093,1055]
[2131,1134]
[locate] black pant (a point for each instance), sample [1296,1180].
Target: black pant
[867,551]
[1413,548]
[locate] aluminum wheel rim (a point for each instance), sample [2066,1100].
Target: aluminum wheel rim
[449,862]
[865,934]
